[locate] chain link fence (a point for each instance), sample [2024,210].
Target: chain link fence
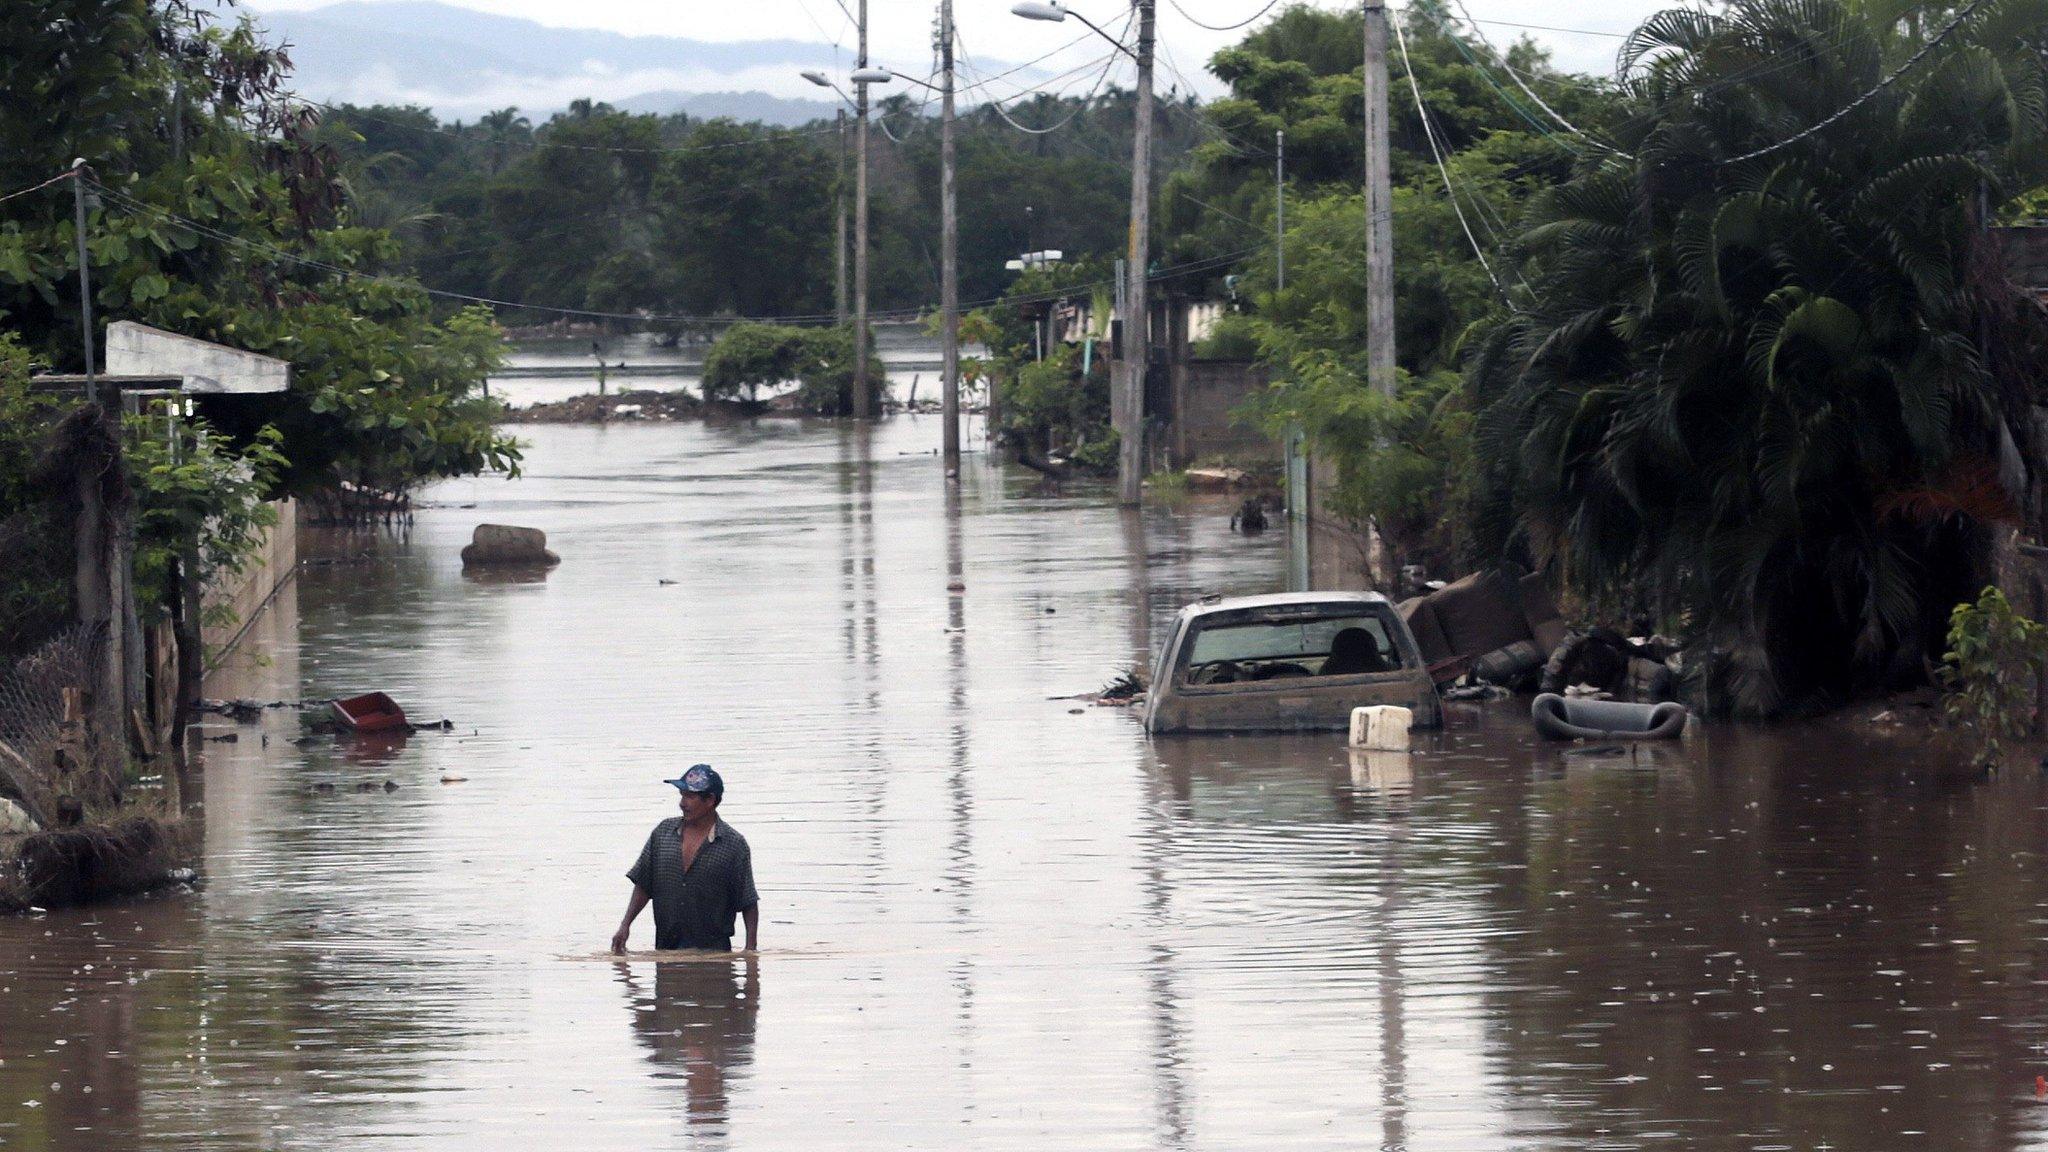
[50,747]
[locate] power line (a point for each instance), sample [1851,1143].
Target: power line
[1430,132]
[1553,28]
[134,205]
[1880,86]
[1531,92]
[962,48]
[1223,27]
[775,136]
[1108,65]
[57,179]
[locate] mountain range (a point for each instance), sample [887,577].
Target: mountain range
[461,63]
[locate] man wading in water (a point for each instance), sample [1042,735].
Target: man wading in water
[697,872]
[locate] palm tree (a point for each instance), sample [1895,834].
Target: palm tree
[501,130]
[1746,393]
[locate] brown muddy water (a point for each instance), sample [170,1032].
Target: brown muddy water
[994,918]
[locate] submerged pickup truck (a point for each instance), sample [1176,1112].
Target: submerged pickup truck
[1298,660]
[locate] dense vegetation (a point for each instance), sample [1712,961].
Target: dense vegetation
[1763,379]
[217,211]
[607,211]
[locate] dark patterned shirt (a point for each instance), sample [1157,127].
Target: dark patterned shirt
[694,908]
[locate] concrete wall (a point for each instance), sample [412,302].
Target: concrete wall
[1340,553]
[249,590]
[1205,420]
[207,368]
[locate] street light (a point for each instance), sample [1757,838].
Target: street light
[949,245]
[1127,388]
[862,77]
[838,201]
[1054,12]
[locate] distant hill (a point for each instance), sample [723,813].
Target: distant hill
[733,105]
[462,63]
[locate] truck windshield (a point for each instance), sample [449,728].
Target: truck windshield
[1309,646]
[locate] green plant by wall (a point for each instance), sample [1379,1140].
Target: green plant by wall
[1994,656]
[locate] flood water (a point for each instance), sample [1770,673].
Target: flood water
[993,917]
[558,369]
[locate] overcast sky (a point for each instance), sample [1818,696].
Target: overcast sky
[900,30]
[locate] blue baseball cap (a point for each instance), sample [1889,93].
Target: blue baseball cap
[700,778]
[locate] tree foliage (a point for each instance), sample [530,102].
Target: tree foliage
[819,360]
[1746,393]
[1994,658]
[1403,464]
[226,215]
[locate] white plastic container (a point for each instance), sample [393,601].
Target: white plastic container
[1381,727]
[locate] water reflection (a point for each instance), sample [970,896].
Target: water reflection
[373,749]
[697,1019]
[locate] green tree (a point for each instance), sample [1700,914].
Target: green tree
[1401,464]
[222,212]
[751,356]
[1745,394]
[744,219]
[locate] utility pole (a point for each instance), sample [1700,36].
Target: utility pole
[861,406]
[949,274]
[839,237]
[1379,204]
[1128,384]
[1279,209]
[78,171]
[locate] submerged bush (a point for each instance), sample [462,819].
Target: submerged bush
[1994,659]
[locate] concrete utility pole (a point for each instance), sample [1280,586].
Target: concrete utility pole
[78,177]
[949,274]
[1128,384]
[839,238]
[1279,209]
[1379,204]
[862,409]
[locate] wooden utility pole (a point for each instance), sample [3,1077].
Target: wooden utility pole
[949,274]
[1379,214]
[1128,383]
[862,409]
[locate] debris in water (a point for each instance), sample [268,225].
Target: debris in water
[454,779]
[370,712]
[1124,689]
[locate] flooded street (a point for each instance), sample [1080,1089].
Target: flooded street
[993,916]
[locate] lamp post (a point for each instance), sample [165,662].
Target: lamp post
[949,242]
[862,77]
[1127,387]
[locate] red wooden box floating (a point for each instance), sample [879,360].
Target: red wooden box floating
[370,712]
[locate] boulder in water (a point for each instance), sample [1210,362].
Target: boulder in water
[503,544]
